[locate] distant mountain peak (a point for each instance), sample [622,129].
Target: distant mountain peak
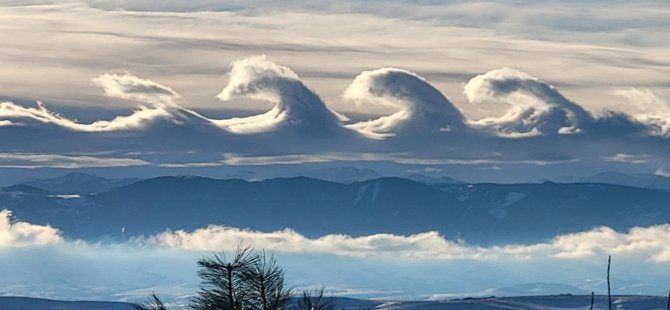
[78,183]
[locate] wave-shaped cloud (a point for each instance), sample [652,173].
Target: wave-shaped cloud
[422,107]
[161,100]
[650,243]
[535,107]
[23,234]
[257,78]
[18,115]
[134,88]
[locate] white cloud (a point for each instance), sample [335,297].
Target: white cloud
[160,98]
[648,243]
[294,104]
[535,107]
[41,114]
[649,109]
[402,158]
[628,158]
[422,107]
[662,172]
[131,87]
[22,234]
[33,161]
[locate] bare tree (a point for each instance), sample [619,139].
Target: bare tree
[315,300]
[154,303]
[264,280]
[609,291]
[223,281]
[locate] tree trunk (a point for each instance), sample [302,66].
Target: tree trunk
[231,294]
[264,295]
[609,290]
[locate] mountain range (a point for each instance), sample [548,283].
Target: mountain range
[477,213]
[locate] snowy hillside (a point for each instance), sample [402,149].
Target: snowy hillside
[520,303]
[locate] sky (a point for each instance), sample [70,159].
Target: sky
[517,90]
[505,91]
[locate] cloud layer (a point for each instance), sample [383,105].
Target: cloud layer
[424,127]
[534,107]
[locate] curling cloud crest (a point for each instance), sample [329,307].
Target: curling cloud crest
[134,88]
[13,114]
[535,107]
[422,107]
[22,234]
[161,100]
[294,104]
[652,110]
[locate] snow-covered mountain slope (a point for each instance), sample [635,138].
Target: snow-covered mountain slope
[79,183]
[25,303]
[552,302]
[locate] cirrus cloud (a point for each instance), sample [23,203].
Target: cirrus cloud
[34,161]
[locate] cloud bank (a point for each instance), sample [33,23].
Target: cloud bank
[23,234]
[645,243]
[648,244]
